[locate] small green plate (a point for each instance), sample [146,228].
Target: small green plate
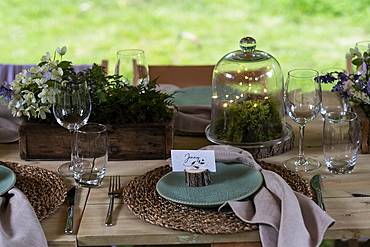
[231,182]
[193,96]
[7,179]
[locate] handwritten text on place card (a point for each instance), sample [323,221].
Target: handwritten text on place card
[193,159]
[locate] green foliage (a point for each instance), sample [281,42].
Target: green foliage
[116,102]
[122,103]
[250,121]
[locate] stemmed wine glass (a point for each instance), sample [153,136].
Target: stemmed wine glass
[71,108]
[302,101]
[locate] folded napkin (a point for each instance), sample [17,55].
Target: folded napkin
[192,119]
[19,225]
[286,218]
[8,125]
[193,108]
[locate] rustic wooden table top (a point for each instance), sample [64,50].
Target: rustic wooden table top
[352,214]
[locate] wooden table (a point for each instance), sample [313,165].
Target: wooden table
[352,214]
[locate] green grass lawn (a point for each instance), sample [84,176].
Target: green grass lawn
[298,33]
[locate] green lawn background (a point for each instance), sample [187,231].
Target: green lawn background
[298,33]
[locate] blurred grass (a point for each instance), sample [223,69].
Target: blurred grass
[298,33]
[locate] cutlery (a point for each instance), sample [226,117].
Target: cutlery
[316,184]
[71,198]
[113,192]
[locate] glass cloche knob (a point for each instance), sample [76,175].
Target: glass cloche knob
[248,44]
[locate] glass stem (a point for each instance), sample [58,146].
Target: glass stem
[301,141]
[73,141]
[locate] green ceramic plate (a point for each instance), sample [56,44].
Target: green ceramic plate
[193,96]
[7,179]
[231,182]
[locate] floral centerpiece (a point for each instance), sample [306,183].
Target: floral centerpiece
[355,87]
[138,118]
[30,94]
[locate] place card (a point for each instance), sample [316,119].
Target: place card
[193,159]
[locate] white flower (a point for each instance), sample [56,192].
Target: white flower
[362,96]
[46,57]
[32,94]
[62,51]
[44,68]
[41,82]
[42,111]
[46,96]
[30,111]
[53,64]
[29,97]
[34,70]
[21,75]
[355,52]
[56,74]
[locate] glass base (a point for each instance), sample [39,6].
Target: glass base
[340,167]
[301,164]
[65,170]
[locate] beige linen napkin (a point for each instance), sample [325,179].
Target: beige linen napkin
[286,218]
[192,119]
[8,125]
[19,225]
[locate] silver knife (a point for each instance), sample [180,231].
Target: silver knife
[71,198]
[316,184]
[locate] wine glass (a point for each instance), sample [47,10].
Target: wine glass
[71,108]
[302,100]
[132,65]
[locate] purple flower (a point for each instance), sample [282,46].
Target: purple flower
[5,90]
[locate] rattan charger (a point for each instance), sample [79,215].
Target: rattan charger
[142,199]
[44,189]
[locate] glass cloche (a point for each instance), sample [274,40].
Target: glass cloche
[247,99]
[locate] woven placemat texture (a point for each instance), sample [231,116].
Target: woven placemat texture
[44,189]
[142,199]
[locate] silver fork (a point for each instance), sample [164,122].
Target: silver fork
[114,192]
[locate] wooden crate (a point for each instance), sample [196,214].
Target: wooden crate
[364,121]
[126,141]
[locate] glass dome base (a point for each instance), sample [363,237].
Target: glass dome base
[287,135]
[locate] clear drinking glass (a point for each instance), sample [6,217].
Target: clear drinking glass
[332,101]
[90,155]
[341,137]
[71,109]
[132,66]
[302,100]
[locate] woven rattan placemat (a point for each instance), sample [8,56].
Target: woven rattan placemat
[44,189]
[142,199]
